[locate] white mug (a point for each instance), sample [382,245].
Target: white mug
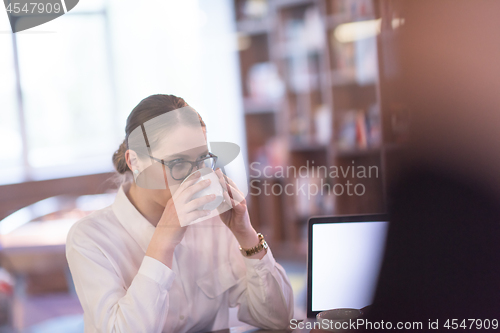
[214,188]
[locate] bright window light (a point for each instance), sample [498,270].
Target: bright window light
[67,92]
[350,32]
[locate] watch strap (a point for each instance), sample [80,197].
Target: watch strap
[257,248]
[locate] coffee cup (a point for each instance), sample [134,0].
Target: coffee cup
[214,188]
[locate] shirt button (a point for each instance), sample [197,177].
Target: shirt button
[181,317]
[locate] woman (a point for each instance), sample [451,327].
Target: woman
[136,269]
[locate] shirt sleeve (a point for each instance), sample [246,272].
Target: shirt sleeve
[263,292]
[109,306]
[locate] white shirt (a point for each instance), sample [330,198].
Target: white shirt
[122,290]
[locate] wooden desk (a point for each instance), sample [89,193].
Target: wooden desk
[251,329]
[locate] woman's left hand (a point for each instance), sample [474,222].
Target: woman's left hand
[236,215]
[233,211]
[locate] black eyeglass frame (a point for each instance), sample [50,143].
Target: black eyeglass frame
[171,164]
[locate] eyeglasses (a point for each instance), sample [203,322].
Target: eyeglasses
[180,169]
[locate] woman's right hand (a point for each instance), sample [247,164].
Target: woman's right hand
[180,210]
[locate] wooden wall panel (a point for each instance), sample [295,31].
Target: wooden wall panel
[16,196]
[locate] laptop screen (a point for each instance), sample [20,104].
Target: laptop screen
[344,262]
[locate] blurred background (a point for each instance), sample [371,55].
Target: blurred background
[292,82]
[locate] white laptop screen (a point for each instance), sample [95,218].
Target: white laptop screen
[346,260]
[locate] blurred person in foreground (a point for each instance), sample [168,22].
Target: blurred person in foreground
[141,265]
[442,258]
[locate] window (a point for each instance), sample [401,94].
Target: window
[66,105]
[11,149]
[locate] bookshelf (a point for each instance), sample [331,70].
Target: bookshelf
[313,96]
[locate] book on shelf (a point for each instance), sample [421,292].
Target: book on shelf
[313,196]
[352,8]
[366,60]
[265,86]
[355,61]
[304,34]
[359,129]
[303,38]
[323,124]
[344,59]
[299,130]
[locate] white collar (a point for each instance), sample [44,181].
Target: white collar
[132,220]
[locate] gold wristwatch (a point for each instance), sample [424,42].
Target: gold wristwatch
[257,248]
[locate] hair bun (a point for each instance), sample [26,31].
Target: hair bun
[119,160]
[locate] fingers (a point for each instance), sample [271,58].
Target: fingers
[229,187]
[189,181]
[199,202]
[190,217]
[226,178]
[231,182]
[225,181]
[227,199]
[232,198]
[224,184]
[235,194]
[189,212]
[219,173]
[222,180]
[191,190]
[225,204]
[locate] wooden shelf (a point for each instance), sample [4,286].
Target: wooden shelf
[339,78]
[282,50]
[300,147]
[357,152]
[257,107]
[319,96]
[272,178]
[282,4]
[347,77]
[254,26]
[334,20]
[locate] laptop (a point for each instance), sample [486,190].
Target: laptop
[344,258]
